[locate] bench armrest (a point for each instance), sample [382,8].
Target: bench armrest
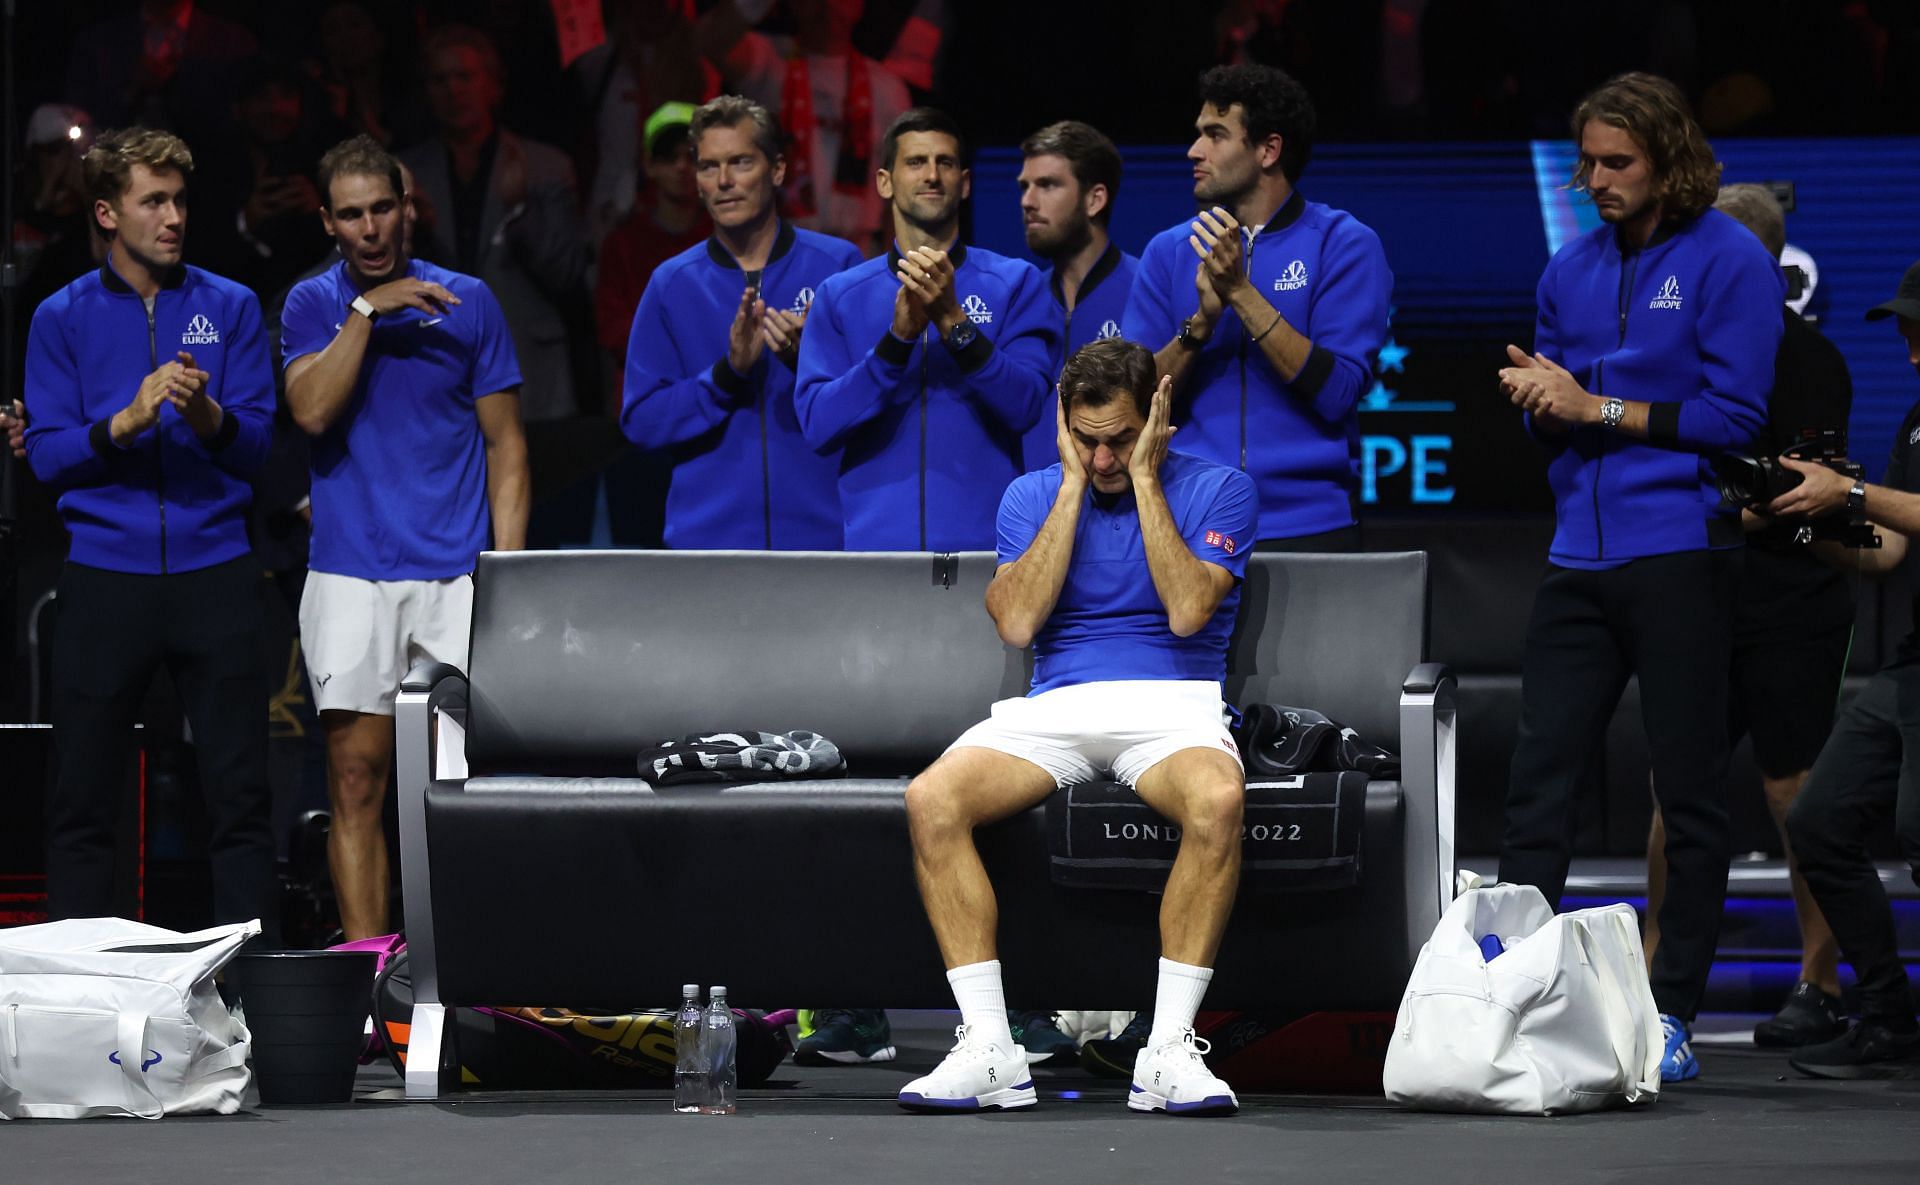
[1428,748]
[428,687]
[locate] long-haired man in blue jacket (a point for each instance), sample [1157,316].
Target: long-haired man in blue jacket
[1653,351]
[926,365]
[150,397]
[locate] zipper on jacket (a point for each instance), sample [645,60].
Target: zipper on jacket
[926,348]
[766,473]
[1629,269]
[159,436]
[1244,342]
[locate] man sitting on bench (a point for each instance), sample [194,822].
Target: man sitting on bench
[1121,567]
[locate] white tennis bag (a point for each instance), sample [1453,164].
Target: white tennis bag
[101,1016]
[1562,1021]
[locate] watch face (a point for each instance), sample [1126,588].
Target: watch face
[961,336]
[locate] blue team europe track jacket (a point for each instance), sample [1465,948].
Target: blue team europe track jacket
[1690,323]
[1324,271]
[743,476]
[169,501]
[930,439]
[1098,309]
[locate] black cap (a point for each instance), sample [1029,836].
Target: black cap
[1905,303]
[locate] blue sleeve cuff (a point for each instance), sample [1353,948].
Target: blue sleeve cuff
[1313,375]
[101,437]
[733,383]
[1663,422]
[892,350]
[975,355]
[223,436]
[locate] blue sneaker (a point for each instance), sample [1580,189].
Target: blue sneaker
[1677,1064]
[1039,1034]
[1114,1057]
[847,1037]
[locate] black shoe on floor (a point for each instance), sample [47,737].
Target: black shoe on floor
[1112,1057]
[1809,1017]
[1868,1050]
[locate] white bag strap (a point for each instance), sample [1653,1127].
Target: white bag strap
[133,1057]
[13,1032]
[1623,1031]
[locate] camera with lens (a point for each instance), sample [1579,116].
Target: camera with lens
[1754,482]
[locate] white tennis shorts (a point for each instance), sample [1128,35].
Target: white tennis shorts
[361,636]
[1118,729]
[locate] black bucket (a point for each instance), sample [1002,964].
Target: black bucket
[307,1010]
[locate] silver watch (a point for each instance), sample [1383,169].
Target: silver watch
[1611,411]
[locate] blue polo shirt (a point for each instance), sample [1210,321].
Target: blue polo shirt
[1109,623]
[1097,311]
[400,479]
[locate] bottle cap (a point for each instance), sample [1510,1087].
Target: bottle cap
[718,989]
[690,989]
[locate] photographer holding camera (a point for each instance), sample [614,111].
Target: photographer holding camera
[1863,774]
[1792,628]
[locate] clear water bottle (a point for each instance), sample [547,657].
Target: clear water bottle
[690,1067]
[717,1044]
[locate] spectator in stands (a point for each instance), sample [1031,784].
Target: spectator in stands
[154,493]
[168,65]
[671,220]
[710,362]
[1654,348]
[352,64]
[1792,629]
[1271,337]
[259,200]
[1121,566]
[1068,182]
[506,212]
[53,240]
[404,375]
[1866,776]
[925,366]
[834,102]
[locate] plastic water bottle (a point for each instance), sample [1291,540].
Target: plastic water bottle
[717,1045]
[690,1068]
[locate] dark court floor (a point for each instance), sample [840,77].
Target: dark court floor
[1749,1118]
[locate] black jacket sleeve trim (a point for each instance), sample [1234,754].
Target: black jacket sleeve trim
[975,355]
[733,384]
[1314,375]
[892,350]
[1663,422]
[100,436]
[224,436]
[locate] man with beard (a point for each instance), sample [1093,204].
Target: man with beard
[1653,349]
[1068,183]
[1271,338]
[925,366]
[711,355]
[405,376]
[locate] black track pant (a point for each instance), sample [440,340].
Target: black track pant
[113,631]
[1667,619]
[1865,778]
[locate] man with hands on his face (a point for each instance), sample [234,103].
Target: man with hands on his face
[1866,774]
[405,376]
[711,356]
[1121,567]
[1653,350]
[924,366]
[1270,335]
[150,396]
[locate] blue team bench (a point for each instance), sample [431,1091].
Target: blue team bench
[539,869]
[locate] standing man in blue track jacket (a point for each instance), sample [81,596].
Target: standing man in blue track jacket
[1653,351]
[714,343]
[927,365]
[1270,337]
[151,402]
[1068,182]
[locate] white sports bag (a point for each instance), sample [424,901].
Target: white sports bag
[101,1016]
[1562,1021]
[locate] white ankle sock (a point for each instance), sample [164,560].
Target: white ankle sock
[1177,1000]
[983,1002]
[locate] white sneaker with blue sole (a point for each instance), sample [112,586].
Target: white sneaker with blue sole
[1173,1077]
[976,1075]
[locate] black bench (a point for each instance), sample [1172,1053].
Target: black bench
[538,869]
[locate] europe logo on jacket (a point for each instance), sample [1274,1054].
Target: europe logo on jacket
[200,332]
[1669,297]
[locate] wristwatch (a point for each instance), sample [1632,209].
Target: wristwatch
[1611,411]
[1857,498]
[1188,339]
[364,307]
[961,336]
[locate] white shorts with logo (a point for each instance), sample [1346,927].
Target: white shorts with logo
[1119,729]
[360,637]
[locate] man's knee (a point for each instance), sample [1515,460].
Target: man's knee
[934,808]
[358,785]
[1215,806]
[1812,830]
